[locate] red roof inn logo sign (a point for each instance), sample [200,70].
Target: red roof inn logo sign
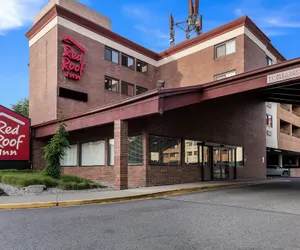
[72,62]
[14,136]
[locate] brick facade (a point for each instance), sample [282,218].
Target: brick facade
[237,120]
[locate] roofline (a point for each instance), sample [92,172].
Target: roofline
[60,11]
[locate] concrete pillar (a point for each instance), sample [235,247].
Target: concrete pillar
[121,154]
[280,160]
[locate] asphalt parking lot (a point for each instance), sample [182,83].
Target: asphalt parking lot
[255,217]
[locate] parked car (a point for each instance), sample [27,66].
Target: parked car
[274,170]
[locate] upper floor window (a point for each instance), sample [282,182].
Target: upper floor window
[111,55]
[128,61]
[127,89]
[225,48]
[141,66]
[269,120]
[140,90]
[269,61]
[225,75]
[111,84]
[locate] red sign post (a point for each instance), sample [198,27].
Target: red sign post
[72,60]
[14,136]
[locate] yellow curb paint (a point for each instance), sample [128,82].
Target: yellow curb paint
[138,197]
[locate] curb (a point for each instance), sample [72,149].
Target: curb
[138,197]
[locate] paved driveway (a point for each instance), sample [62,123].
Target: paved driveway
[256,217]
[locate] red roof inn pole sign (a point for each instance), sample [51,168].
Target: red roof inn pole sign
[14,136]
[72,60]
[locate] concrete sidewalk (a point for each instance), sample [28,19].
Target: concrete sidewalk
[72,199]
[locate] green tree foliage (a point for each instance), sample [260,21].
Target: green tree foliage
[54,151]
[21,107]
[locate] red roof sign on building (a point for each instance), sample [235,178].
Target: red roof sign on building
[14,136]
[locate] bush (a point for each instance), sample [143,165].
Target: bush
[71,178]
[85,184]
[27,180]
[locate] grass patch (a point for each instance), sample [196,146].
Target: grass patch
[27,178]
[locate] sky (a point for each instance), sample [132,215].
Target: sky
[143,21]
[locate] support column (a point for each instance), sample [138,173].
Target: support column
[146,155]
[280,160]
[121,154]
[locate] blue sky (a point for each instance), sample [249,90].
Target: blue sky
[145,22]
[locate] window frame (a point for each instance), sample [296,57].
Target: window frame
[224,44]
[92,141]
[224,73]
[76,160]
[128,56]
[142,62]
[165,165]
[130,84]
[142,161]
[141,87]
[111,51]
[111,78]
[269,59]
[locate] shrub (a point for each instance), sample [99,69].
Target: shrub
[71,178]
[27,180]
[85,184]
[54,151]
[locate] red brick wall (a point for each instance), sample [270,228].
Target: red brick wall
[168,175]
[43,78]
[201,67]
[255,57]
[92,81]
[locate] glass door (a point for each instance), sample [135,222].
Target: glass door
[222,158]
[205,162]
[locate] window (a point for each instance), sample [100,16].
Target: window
[111,152]
[70,157]
[111,84]
[163,151]
[141,66]
[128,61]
[226,48]
[190,147]
[93,153]
[111,55]
[225,75]
[269,61]
[127,89]
[269,120]
[135,150]
[239,157]
[140,90]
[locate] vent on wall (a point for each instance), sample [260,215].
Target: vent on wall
[72,94]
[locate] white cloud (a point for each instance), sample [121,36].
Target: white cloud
[18,13]
[275,19]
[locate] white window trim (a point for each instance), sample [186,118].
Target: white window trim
[225,43]
[225,74]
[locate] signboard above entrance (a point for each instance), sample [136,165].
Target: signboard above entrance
[14,136]
[285,75]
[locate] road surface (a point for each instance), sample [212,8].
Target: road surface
[257,217]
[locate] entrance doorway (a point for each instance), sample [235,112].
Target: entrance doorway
[217,163]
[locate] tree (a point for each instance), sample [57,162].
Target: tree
[55,150]
[21,107]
